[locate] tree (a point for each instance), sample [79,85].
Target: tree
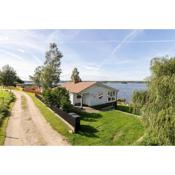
[48,75]
[58,97]
[159,109]
[139,99]
[8,76]
[51,69]
[37,76]
[75,76]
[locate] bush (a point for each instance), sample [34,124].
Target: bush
[49,97]
[128,109]
[58,97]
[4,111]
[4,104]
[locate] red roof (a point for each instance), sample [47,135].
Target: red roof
[77,87]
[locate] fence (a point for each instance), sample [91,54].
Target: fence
[72,120]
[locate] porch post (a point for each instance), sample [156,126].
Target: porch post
[81,100]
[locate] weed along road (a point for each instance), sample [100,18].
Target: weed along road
[27,126]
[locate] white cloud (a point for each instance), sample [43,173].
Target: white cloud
[21,50]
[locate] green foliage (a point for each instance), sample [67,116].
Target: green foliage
[6,98]
[139,99]
[75,76]
[8,76]
[58,97]
[124,108]
[159,109]
[37,76]
[49,97]
[48,75]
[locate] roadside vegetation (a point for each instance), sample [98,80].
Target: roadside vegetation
[58,97]
[6,99]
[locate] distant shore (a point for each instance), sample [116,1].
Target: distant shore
[124,82]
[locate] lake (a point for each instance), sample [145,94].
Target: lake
[126,90]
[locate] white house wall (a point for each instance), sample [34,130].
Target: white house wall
[73,98]
[92,98]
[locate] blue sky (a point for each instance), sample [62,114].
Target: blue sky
[98,54]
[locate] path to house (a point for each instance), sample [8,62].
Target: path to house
[27,126]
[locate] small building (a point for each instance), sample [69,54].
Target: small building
[91,93]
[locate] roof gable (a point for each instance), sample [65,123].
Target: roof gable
[81,86]
[77,87]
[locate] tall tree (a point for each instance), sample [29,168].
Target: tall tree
[48,75]
[51,69]
[8,76]
[159,109]
[75,76]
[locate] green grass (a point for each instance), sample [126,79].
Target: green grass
[109,128]
[104,128]
[6,99]
[54,121]
[3,126]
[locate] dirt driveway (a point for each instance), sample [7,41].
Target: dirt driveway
[27,126]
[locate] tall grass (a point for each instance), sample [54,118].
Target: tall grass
[6,99]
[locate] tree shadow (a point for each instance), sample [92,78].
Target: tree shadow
[88,131]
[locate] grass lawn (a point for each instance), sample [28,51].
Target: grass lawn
[109,128]
[5,100]
[104,128]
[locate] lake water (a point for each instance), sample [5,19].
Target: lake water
[126,90]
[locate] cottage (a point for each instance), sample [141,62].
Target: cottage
[91,93]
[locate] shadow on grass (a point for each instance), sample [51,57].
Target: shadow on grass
[88,131]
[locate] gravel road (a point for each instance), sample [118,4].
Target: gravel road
[27,126]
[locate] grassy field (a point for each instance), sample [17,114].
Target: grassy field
[109,128]
[104,128]
[5,106]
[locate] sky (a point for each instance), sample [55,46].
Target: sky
[98,54]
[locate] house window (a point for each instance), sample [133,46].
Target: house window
[78,96]
[111,96]
[100,95]
[111,93]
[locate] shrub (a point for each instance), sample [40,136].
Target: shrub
[49,97]
[58,97]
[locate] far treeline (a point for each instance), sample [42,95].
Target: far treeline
[157,104]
